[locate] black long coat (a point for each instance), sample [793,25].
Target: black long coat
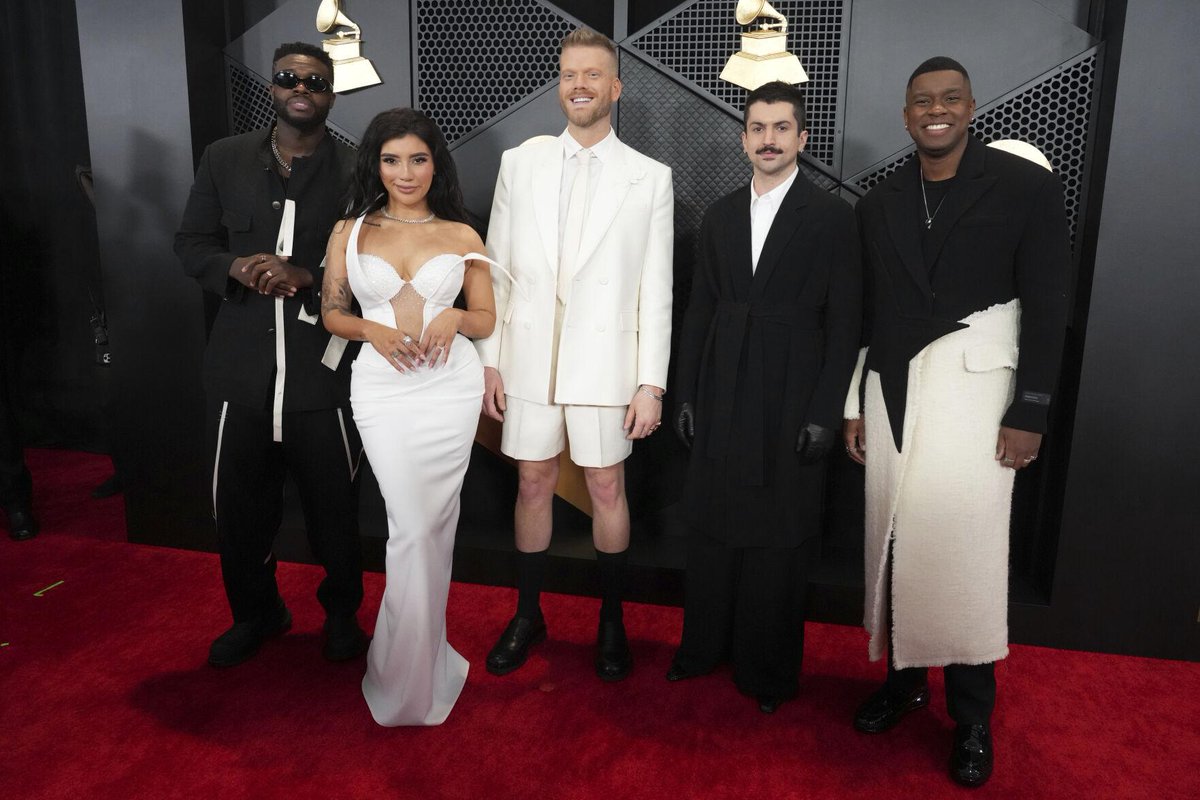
[761,354]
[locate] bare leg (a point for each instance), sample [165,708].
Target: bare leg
[610,509]
[535,496]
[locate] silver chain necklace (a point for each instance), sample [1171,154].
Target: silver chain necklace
[407,221]
[286,167]
[925,200]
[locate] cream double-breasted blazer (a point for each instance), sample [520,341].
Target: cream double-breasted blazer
[616,331]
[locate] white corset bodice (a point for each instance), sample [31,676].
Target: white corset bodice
[376,283]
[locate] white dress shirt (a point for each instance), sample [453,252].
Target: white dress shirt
[763,208]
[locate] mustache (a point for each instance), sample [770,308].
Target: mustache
[768,149]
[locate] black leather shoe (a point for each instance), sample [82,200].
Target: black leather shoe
[971,758]
[22,524]
[344,640]
[242,641]
[769,704]
[613,659]
[515,643]
[886,707]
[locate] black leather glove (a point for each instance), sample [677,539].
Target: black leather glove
[813,442]
[685,424]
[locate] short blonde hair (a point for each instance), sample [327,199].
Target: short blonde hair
[586,37]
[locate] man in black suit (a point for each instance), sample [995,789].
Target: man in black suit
[767,350]
[967,261]
[254,232]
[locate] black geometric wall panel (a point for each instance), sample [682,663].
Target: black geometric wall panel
[696,42]
[250,104]
[475,60]
[1053,114]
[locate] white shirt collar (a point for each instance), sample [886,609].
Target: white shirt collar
[601,149]
[777,194]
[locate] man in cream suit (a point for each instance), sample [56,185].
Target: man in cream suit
[585,225]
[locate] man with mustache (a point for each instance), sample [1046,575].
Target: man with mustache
[968,254]
[584,223]
[767,350]
[254,233]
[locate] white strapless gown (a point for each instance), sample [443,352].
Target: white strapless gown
[417,428]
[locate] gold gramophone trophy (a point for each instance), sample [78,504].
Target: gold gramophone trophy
[764,56]
[350,69]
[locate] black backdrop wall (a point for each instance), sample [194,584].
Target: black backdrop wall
[49,260]
[1101,567]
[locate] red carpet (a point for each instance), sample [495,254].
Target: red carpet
[104,694]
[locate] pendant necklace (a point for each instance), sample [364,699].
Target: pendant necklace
[407,221]
[925,200]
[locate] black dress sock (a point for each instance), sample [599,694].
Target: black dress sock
[612,583]
[531,568]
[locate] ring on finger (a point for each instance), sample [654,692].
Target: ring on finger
[407,340]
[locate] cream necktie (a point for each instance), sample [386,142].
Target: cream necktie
[573,232]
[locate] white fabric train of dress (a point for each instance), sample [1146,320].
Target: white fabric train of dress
[417,428]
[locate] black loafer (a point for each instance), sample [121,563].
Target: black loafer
[971,758]
[514,644]
[242,641]
[769,704]
[613,659]
[22,524]
[886,707]
[344,639]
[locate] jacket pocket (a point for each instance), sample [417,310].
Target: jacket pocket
[989,356]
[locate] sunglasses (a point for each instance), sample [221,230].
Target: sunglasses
[286,79]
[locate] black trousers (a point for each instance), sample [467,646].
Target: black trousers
[970,688]
[16,487]
[321,451]
[746,604]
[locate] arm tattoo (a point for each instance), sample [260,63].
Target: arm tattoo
[336,296]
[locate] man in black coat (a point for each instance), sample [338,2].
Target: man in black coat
[968,254]
[254,232]
[766,353]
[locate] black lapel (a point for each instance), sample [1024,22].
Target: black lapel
[783,228]
[737,231]
[969,186]
[903,222]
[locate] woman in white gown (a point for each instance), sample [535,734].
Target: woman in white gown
[404,253]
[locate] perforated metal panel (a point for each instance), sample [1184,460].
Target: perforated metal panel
[250,104]
[696,42]
[475,60]
[1053,115]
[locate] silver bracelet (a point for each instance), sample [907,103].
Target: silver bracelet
[646,391]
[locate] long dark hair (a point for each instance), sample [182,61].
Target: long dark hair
[366,192]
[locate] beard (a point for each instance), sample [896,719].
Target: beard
[302,124]
[598,110]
